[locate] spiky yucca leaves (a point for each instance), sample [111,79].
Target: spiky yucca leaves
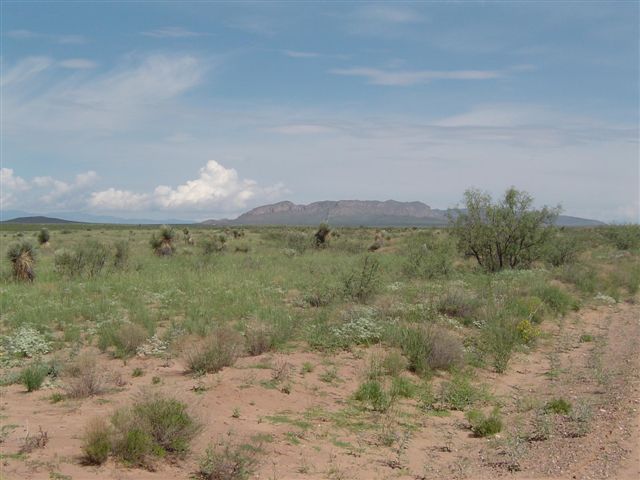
[162,244]
[22,257]
[43,237]
[322,235]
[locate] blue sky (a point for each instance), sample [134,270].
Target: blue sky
[201,110]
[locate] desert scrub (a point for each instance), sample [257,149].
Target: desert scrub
[363,281]
[43,236]
[558,406]
[429,257]
[162,242]
[459,393]
[484,425]
[84,377]
[125,337]
[228,461]
[220,349]
[556,299]
[22,256]
[87,260]
[121,254]
[427,348]
[33,376]
[372,394]
[96,442]
[154,426]
[26,341]
[457,303]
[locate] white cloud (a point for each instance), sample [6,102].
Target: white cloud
[25,70]
[299,54]
[63,39]
[171,32]
[216,188]
[406,78]
[78,64]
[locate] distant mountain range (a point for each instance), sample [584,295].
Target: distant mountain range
[338,213]
[359,212]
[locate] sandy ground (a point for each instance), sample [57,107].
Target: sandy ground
[310,433]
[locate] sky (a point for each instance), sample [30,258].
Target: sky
[201,110]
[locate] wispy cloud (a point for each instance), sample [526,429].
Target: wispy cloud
[299,54]
[406,78]
[172,32]
[301,129]
[384,20]
[63,39]
[78,64]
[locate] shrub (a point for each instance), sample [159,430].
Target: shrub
[43,236]
[457,303]
[297,241]
[394,363]
[623,237]
[258,339]
[507,234]
[558,405]
[215,244]
[87,260]
[228,462]
[26,341]
[33,376]
[125,337]
[162,243]
[561,250]
[363,282]
[152,427]
[557,299]
[22,257]
[459,393]
[220,349]
[428,348]
[96,441]
[529,308]
[402,387]
[372,393]
[85,377]
[499,337]
[483,425]
[428,257]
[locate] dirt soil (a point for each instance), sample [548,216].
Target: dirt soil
[306,429]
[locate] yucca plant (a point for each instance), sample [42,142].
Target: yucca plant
[163,243]
[22,257]
[322,235]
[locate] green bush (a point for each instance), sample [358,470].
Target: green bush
[483,425]
[427,257]
[457,303]
[499,337]
[87,260]
[557,299]
[372,393]
[623,237]
[43,236]
[558,405]
[402,387]
[561,250]
[459,393]
[121,255]
[96,442]
[33,376]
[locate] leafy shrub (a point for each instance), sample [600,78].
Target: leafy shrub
[372,393]
[557,299]
[153,426]
[558,405]
[228,462]
[623,237]
[427,257]
[297,241]
[215,244]
[33,376]
[23,260]
[427,348]
[220,349]
[528,308]
[527,332]
[96,441]
[88,260]
[506,234]
[561,250]
[483,425]
[499,336]
[364,281]
[43,236]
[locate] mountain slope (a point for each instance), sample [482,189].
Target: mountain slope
[358,212]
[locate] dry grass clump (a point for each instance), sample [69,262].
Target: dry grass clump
[22,258]
[219,349]
[228,461]
[258,339]
[85,377]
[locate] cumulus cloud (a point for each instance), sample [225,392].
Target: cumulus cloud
[216,188]
[10,184]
